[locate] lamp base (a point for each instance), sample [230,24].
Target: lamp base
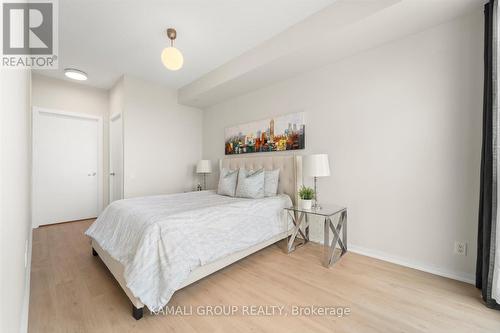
[316,206]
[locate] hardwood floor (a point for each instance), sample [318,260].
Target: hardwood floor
[72,291]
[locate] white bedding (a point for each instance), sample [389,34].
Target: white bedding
[160,239]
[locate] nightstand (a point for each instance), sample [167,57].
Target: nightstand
[329,214]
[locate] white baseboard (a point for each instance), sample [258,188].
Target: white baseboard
[455,275]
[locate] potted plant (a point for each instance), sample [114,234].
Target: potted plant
[306,195]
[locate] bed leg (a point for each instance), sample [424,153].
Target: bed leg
[94,253]
[137,313]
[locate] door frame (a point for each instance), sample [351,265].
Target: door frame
[36,110]
[110,182]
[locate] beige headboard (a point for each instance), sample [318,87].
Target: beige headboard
[290,169]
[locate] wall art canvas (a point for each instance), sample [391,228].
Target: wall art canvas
[279,133]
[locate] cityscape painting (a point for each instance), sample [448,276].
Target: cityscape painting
[281,133]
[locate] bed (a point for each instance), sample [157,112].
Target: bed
[157,245]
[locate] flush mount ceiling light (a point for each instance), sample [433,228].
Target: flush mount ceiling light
[171,57]
[75,74]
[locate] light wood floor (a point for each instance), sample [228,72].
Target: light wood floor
[72,291]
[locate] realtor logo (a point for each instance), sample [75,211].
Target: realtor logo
[29,36]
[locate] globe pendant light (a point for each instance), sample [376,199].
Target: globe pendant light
[171,57]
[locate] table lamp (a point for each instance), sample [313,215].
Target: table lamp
[204,167]
[316,166]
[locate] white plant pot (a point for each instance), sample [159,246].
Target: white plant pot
[305,204]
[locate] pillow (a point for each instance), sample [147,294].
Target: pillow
[227,182]
[250,184]
[271,179]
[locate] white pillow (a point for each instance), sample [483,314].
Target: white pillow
[271,182]
[250,184]
[227,182]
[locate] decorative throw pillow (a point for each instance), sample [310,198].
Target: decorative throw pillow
[227,182]
[250,184]
[271,182]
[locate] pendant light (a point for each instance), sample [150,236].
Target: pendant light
[171,57]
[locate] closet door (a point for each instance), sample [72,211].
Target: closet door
[65,167]
[116,158]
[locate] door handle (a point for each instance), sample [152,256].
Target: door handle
[112,174]
[91,174]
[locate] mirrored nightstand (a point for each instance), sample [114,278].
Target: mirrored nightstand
[335,219]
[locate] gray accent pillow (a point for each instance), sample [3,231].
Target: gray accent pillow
[227,182]
[271,180]
[250,184]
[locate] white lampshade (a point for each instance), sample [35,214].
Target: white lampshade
[204,166]
[172,58]
[316,165]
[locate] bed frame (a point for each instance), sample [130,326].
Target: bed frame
[290,180]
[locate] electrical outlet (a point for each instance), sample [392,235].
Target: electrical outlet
[460,248]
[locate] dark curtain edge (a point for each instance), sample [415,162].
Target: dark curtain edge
[487,195]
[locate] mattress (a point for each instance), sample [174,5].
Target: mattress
[160,239]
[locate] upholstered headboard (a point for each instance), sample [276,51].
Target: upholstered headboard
[290,169]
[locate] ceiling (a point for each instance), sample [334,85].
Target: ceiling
[109,38]
[345,28]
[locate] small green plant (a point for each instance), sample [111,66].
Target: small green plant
[306,193]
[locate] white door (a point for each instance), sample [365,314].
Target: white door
[65,167]
[115,158]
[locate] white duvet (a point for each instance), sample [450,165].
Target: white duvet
[160,239]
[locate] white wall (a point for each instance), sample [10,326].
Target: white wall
[15,203]
[402,126]
[63,95]
[162,140]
